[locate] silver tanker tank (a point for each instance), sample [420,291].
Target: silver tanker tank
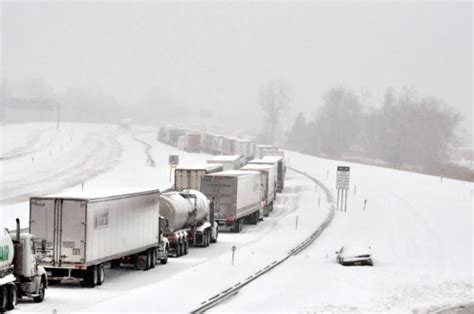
[184,209]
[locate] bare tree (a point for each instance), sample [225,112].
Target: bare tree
[273,99]
[338,121]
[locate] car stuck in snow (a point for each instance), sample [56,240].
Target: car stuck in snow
[355,255]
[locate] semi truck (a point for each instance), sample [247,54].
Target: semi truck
[192,142]
[20,274]
[186,178]
[260,148]
[81,232]
[236,197]
[190,220]
[229,162]
[277,164]
[275,156]
[268,185]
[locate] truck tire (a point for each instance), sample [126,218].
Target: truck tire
[11,297]
[3,299]
[101,274]
[186,247]
[214,240]
[91,278]
[41,292]
[153,258]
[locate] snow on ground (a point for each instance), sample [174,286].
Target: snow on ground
[420,229]
[20,139]
[74,154]
[203,272]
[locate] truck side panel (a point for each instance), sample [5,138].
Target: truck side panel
[119,226]
[248,195]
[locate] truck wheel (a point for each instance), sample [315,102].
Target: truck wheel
[91,278]
[153,258]
[178,249]
[3,299]
[11,295]
[41,292]
[186,247]
[214,240]
[101,274]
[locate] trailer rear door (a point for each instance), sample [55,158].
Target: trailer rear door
[62,224]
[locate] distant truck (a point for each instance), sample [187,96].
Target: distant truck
[186,178]
[82,231]
[279,165]
[20,274]
[190,220]
[268,184]
[261,148]
[229,162]
[236,196]
[192,142]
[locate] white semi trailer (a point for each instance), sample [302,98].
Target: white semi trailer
[268,184]
[190,220]
[82,231]
[275,163]
[236,197]
[186,178]
[229,162]
[20,274]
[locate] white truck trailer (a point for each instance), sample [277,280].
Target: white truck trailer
[189,177]
[261,148]
[229,162]
[190,220]
[272,162]
[279,157]
[236,197]
[20,274]
[82,231]
[268,185]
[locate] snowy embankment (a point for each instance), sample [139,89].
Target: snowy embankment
[64,158]
[420,229]
[17,140]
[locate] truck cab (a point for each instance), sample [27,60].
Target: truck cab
[31,278]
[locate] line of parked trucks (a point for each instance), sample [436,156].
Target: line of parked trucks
[78,234]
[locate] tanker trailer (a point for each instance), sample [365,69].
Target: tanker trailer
[190,218]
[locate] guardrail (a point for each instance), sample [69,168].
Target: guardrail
[150,160]
[229,292]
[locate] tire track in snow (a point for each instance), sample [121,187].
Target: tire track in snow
[101,156]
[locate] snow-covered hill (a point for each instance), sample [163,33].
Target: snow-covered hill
[421,231]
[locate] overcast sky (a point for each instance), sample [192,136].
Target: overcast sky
[217,54]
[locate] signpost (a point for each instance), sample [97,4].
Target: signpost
[173,161]
[233,253]
[342,185]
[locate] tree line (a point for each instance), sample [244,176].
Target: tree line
[405,129]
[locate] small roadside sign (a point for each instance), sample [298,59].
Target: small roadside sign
[173,160]
[342,178]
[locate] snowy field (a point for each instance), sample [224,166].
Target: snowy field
[419,227]
[421,233]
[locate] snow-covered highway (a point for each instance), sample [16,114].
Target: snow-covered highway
[185,282]
[420,228]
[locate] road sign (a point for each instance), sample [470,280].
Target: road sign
[173,160]
[342,179]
